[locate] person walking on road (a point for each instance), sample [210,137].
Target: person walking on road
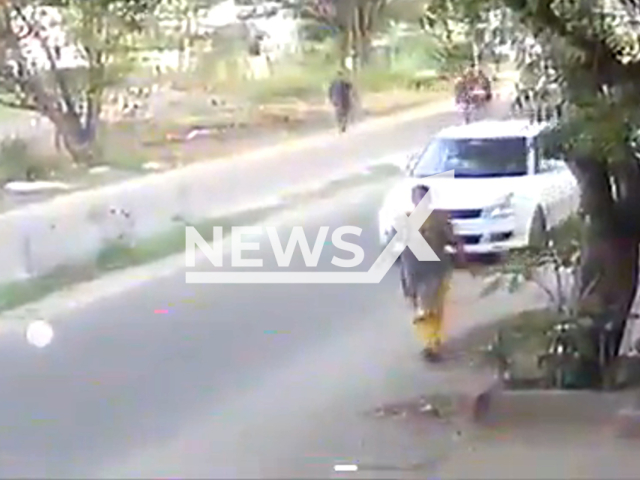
[341,96]
[425,284]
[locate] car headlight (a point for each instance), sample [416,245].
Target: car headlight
[501,210]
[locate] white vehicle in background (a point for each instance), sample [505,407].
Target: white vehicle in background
[504,195]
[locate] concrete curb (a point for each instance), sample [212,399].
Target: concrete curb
[57,305]
[490,405]
[475,403]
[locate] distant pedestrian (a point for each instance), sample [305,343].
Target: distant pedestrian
[341,96]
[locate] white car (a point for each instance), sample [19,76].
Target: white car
[504,194]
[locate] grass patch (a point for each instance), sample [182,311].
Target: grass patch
[15,294]
[290,85]
[522,333]
[8,114]
[121,158]
[307,77]
[376,80]
[21,162]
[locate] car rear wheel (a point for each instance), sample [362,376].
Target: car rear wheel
[538,234]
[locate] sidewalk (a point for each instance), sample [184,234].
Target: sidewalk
[545,444]
[580,453]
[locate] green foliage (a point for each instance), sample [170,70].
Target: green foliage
[287,85]
[594,54]
[379,79]
[20,162]
[598,127]
[128,15]
[16,157]
[306,77]
[314,31]
[469,12]
[453,57]
[414,53]
[100,30]
[546,266]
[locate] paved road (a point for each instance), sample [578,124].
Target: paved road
[237,381]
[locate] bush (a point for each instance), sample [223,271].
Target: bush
[413,54]
[379,79]
[19,163]
[287,84]
[552,267]
[451,59]
[306,75]
[545,349]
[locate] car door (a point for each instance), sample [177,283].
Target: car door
[569,192]
[560,191]
[555,182]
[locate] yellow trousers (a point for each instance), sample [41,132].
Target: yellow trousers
[429,319]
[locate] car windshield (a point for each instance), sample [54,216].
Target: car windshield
[485,157]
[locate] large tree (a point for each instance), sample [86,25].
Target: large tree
[354,20]
[99,32]
[593,49]
[175,26]
[457,26]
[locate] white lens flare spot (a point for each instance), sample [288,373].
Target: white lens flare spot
[39,333]
[345,468]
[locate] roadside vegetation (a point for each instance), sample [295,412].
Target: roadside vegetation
[583,61]
[165,89]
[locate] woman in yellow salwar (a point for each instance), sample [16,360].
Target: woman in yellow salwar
[426,284]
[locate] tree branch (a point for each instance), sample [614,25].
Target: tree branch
[316,16]
[540,284]
[601,55]
[67,98]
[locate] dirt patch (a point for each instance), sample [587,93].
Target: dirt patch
[424,408]
[521,338]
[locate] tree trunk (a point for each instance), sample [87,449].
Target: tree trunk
[344,18]
[76,139]
[344,46]
[365,39]
[368,12]
[609,267]
[356,39]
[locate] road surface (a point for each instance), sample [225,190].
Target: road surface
[236,381]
